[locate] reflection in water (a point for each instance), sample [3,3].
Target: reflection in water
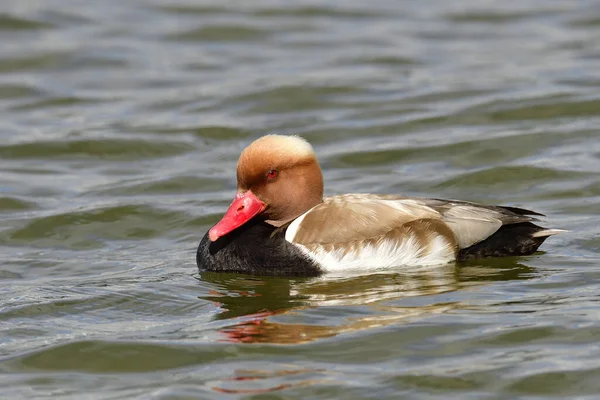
[242,295]
[256,299]
[265,381]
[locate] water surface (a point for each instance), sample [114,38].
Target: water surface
[121,125]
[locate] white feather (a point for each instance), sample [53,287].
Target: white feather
[386,254]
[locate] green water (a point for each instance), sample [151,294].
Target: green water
[120,126]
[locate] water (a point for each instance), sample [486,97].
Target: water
[121,122]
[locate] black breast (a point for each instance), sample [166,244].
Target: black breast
[254,248]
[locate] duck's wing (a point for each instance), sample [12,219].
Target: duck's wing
[473,223]
[361,230]
[353,217]
[385,230]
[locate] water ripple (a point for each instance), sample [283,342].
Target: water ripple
[121,127]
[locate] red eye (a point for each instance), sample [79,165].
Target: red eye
[272,174]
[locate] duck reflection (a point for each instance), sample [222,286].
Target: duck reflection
[275,310]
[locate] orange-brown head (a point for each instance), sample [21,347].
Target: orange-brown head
[279,178]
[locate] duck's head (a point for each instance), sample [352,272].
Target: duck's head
[278,179]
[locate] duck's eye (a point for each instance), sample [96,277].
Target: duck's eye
[272,174]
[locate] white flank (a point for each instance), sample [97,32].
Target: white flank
[386,254]
[548,232]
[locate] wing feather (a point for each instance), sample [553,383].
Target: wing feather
[356,217]
[348,218]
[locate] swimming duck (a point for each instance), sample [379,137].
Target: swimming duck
[279,223]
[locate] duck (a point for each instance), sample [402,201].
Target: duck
[279,223]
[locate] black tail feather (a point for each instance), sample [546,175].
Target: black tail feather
[509,240]
[521,211]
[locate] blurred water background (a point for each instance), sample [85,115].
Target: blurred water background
[120,126]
